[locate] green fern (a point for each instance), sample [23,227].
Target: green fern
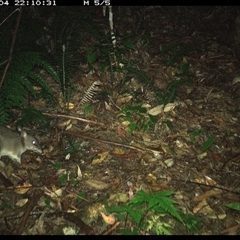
[19,82]
[4,115]
[158,226]
[135,213]
[33,117]
[159,202]
[156,204]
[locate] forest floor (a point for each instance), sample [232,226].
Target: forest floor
[162,118]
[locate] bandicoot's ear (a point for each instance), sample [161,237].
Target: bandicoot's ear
[23,133]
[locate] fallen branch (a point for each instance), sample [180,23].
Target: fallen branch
[104,141]
[75,118]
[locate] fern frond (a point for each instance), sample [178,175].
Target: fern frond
[26,61]
[14,93]
[163,201]
[160,202]
[40,81]
[49,69]
[92,90]
[28,85]
[20,81]
[33,117]
[4,115]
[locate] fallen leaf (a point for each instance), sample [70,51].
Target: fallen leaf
[209,181]
[69,231]
[217,216]
[100,157]
[203,207]
[65,124]
[116,198]
[39,227]
[151,178]
[170,106]
[156,110]
[216,157]
[156,187]
[152,143]
[23,189]
[40,103]
[125,123]
[79,172]
[21,202]
[54,193]
[110,219]
[96,184]
[69,105]
[120,131]
[124,99]
[67,157]
[236,80]
[207,194]
[118,151]
[166,149]
[169,162]
[130,193]
[107,106]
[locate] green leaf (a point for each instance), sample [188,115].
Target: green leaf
[33,117]
[136,215]
[92,57]
[140,197]
[6,206]
[195,133]
[162,228]
[167,204]
[234,206]
[47,202]
[20,81]
[128,45]
[207,144]
[63,178]
[73,182]
[191,222]
[159,202]
[80,197]
[58,165]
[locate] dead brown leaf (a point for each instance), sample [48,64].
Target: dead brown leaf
[110,219]
[211,193]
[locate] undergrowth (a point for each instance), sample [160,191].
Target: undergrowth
[114,60]
[137,118]
[153,213]
[21,83]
